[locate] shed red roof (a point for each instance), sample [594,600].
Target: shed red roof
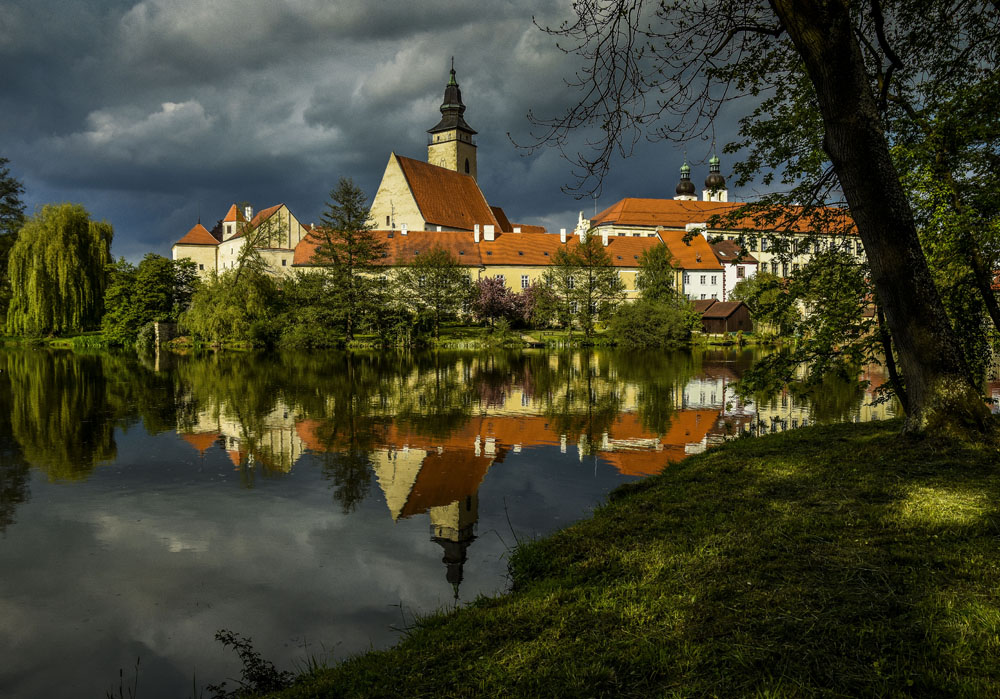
[722,309]
[199,235]
[445,197]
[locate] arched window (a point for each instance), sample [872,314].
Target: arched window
[466,166]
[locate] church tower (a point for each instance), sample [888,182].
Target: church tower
[685,188]
[451,144]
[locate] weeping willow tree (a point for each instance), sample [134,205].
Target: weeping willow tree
[57,271]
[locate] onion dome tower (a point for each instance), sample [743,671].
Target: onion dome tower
[715,183]
[451,144]
[685,188]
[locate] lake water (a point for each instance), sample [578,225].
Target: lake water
[315,502]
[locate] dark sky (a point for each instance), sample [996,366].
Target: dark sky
[150,113]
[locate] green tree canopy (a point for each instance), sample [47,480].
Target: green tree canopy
[57,271]
[349,248]
[436,284]
[158,290]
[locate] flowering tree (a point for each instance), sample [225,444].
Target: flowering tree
[492,300]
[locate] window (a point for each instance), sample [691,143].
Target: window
[703,279]
[386,220]
[524,281]
[284,263]
[858,248]
[489,252]
[420,281]
[546,253]
[763,244]
[703,295]
[502,279]
[461,252]
[774,268]
[466,166]
[201,266]
[574,307]
[784,269]
[795,267]
[714,278]
[715,296]
[571,283]
[753,246]
[520,253]
[816,247]
[593,306]
[687,278]
[740,272]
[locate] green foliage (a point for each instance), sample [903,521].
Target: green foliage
[435,283]
[769,303]
[348,247]
[313,313]
[657,275]
[236,306]
[11,220]
[646,324]
[158,290]
[586,288]
[258,674]
[57,272]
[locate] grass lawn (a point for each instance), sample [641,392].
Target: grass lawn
[841,561]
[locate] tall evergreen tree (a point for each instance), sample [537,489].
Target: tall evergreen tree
[57,271]
[349,248]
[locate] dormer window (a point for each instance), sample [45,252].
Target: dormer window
[546,253]
[461,252]
[489,252]
[521,253]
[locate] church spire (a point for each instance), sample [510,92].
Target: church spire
[451,144]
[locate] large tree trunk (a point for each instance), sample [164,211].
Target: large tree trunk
[942,397]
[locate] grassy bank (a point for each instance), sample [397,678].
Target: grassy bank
[830,561]
[90,339]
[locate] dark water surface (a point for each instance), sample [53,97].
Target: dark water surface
[315,502]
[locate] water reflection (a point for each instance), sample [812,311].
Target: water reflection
[365,480]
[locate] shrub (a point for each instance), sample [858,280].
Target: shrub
[650,324]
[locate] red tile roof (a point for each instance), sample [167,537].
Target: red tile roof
[529,228]
[728,251]
[676,214]
[199,235]
[445,197]
[695,253]
[233,215]
[264,214]
[502,219]
[446,478]
[404,249]
[201,440]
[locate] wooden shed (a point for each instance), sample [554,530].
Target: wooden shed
[726,317]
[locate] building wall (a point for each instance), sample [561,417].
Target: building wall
[205,256]
[450,150]
[731,277]
[393,201]
[703,284]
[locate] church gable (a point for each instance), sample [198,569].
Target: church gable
[394,205]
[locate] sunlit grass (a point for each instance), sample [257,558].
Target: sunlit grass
[829,561]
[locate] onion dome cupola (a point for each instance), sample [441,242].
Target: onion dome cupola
[715,183]
[451,144]
[685,188]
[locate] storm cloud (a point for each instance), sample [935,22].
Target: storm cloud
[158,113]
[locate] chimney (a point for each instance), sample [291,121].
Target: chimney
[402,229]
[248,212]
[562,236]
[517,229]
[604,238]
[475,233]
[439,229]
[488,232]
